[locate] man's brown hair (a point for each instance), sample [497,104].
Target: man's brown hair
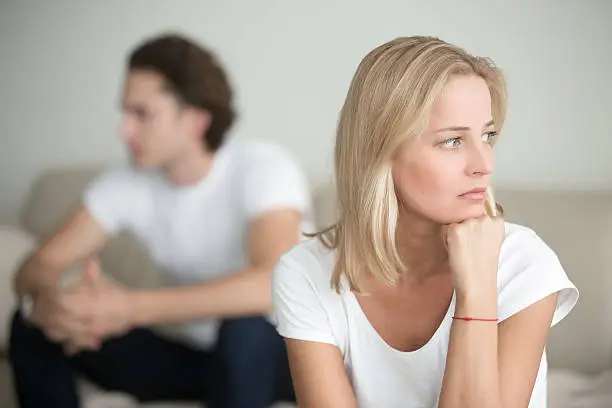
[193,75]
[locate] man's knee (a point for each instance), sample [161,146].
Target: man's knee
[23,334]
[28,346]
[251,355]
[251,339]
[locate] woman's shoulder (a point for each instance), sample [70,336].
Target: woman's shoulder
[306,306]
[529,270]
[309,260]
[522,244]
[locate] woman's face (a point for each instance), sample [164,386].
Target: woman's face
[443,174]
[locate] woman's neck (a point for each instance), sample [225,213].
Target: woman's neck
[421,246]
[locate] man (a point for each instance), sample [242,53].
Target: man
[214,214]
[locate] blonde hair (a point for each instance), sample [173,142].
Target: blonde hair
[389,100]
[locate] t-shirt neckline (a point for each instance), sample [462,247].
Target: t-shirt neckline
[378,338]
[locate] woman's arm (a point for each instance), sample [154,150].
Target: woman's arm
[319,376]
[490,365]
[471,374]
[522,339]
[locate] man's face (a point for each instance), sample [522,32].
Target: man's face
[156,128]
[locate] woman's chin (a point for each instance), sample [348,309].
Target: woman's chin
[466,214]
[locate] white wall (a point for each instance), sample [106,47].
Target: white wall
[291,62]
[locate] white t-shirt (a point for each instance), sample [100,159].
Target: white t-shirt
[198,232]
[308,308]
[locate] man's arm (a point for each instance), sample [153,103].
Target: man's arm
[246,292]
[78,238]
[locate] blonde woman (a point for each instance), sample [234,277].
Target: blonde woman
[420,295]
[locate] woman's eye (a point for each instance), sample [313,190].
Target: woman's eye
[489,137]
[452,142]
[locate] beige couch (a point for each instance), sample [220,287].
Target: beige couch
[578,225]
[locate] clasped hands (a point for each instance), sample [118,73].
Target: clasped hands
[85,314]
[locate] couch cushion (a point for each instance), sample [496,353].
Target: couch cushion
[55,195]
[7,396]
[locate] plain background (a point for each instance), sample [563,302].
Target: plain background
[291,63]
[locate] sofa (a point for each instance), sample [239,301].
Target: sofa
[577,225]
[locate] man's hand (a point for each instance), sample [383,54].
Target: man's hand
[87,313]
[62,316]
[112,303]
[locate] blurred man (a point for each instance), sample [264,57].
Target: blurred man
[215,214]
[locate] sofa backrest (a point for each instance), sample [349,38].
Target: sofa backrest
[577,225]
[55,195]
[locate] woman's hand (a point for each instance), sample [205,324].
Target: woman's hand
[473,250]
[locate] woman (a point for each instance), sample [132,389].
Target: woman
[420,295]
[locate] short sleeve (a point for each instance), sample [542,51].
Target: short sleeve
[530,272]
[274,180]
[298,310]
[109,199]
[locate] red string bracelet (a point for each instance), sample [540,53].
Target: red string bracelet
[478,319]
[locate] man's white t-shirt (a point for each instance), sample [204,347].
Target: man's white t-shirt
[199,232]
[308,308]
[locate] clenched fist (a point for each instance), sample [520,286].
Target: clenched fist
[473,250]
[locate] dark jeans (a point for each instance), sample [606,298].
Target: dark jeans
[247,369]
